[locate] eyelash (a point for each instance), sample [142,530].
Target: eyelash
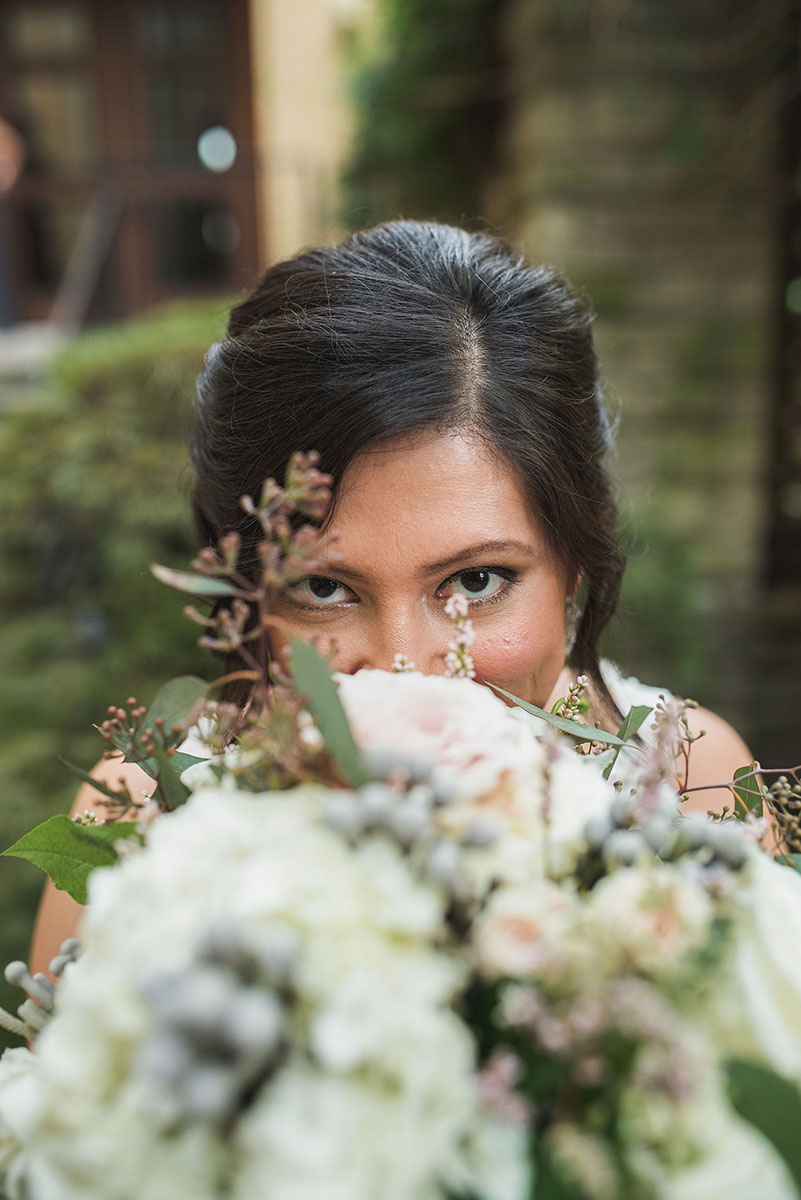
[508,574]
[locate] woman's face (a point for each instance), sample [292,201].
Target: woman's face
[419,519]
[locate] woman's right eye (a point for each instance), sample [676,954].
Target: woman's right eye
[318,591]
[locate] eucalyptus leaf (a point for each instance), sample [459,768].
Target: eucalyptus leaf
[582,733]
[748,790]
[772,1105]
[161,765]
[178,761]
[195,585]
[85,777]
[174,704]
[632,722]
[311,675]
[606,760]
[69,852]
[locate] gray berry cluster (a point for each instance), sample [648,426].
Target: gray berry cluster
[221,1024]
[34,1012]
[621,837]
[401,802]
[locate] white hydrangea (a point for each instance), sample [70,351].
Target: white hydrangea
[20,1097]
[373,1006]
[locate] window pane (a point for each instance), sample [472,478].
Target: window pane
[49,31]
[194,242]
[54,113]
[164,28]
[182,106]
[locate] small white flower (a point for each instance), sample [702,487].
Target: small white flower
[401,665]
[456,606]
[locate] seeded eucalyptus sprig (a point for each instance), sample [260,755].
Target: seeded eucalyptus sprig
[268,721]
[289,548]
[783,800]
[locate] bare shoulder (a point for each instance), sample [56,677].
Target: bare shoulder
[714,758]
[114,773]
[59,915]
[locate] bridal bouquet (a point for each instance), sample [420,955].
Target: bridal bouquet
[385,937]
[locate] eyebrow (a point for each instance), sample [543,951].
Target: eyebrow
[453,560]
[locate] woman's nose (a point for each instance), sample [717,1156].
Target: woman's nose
[413,637]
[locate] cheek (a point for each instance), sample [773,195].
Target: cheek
[523,655]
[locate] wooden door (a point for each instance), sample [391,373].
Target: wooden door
[139,178]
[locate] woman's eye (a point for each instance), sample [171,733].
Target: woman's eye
[319,591]
[479,583]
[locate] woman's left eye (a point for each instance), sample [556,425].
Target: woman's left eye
[479,583]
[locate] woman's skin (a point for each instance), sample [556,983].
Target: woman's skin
[417,520]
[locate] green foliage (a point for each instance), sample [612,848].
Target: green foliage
[582,733]
[93,481]
[430,100]
[634,719]
[772,1105]
[188,581]
[312,677]
[69,852]
[748,789]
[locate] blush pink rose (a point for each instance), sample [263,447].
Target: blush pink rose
[461,726]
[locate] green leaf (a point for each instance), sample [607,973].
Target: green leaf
[195,585]
[179,762]
[748,790]
[793,861]
[174,704]
[69,852]
[310,673]
[551,1182]
[634,719]
[772,1105]
[85,777]
[174,793]
[582,733]
[632,722]
[606,760]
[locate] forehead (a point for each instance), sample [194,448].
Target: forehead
[423,496]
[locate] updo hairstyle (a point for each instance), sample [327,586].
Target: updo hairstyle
[405,327]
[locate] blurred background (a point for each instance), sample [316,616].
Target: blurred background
[155,156]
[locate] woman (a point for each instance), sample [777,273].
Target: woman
[451,391]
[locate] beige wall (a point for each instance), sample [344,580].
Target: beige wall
[302,116]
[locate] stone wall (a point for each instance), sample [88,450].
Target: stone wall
[640,161]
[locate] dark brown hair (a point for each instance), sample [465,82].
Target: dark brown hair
[405,327]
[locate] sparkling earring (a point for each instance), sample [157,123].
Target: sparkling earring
[572,618]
